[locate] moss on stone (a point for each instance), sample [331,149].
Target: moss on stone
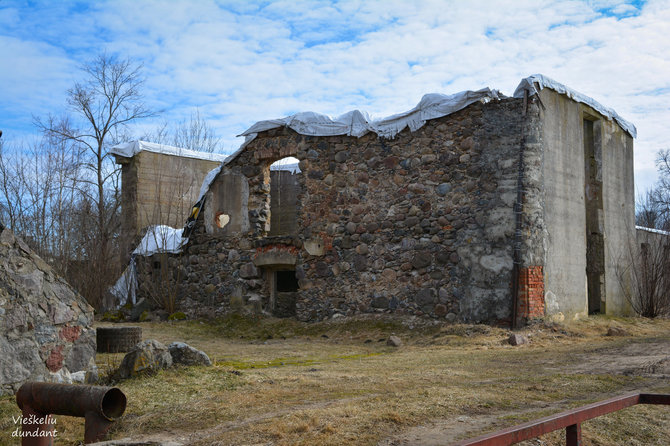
[177,316]
[113,316]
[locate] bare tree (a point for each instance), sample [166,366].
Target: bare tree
[11,204]
[195,134]
[645,280]
[647,212]
[37,191]
[662,189]
[102,107]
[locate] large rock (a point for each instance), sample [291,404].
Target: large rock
[517,339]
[45,325]
[146,357]
[185,354]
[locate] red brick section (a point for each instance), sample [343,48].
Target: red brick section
[277,247]
[530,303]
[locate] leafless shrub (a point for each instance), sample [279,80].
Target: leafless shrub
[645,280]
[195,134]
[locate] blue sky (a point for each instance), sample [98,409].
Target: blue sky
[239,62]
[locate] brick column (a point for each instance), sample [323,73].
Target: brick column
[531,294]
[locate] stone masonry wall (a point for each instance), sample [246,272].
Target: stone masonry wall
[45,326]
[420,224]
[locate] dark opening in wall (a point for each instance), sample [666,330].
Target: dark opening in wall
[285,293]
[286,282]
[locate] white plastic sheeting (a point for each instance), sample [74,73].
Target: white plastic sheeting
[208,180]
[432,106]
[542,81]
[160,238]
[357,123]
[289,164]
[132,148]
[655,231]
[126,287]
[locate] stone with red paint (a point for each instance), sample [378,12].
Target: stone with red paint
[70,334]
[55,360]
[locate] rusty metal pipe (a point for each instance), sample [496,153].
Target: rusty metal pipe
[100,406]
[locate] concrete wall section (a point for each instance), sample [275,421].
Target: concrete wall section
[129,229]
[167,187]
[563,172]
[226,211]
[567,180]
[619,211]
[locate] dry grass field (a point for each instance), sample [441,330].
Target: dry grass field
[281,382]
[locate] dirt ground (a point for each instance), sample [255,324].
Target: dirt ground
[279,382]
[647,359]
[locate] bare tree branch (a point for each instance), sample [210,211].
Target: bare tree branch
[102,105]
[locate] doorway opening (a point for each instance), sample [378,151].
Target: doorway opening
[284,289]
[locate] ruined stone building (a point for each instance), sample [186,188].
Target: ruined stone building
[473,207]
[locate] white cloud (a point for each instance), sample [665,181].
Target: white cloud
[245,61]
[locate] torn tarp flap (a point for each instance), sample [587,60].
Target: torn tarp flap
[125,288]
[208,180]
[542,81]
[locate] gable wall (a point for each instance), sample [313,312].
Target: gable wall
[420,224]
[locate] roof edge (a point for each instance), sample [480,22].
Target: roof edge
[536,82]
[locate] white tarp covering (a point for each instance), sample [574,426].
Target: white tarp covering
[132,148]
[542,81]
[160,238]
[289,164]
[208,180]
[357,123]
[655,231]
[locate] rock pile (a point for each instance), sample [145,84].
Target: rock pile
[150,356]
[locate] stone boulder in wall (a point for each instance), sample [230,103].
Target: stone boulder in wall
[45,325]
